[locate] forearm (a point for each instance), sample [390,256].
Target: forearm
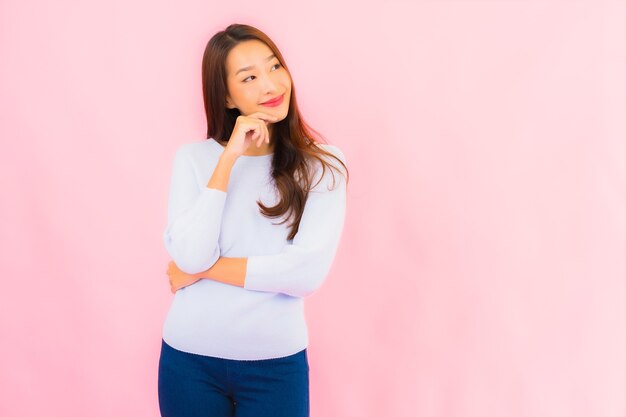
[221,174]
[227,270]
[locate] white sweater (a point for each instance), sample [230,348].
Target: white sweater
[265,319]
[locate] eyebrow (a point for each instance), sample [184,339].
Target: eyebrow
[252,66]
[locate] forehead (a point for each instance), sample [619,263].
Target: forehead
[246,53]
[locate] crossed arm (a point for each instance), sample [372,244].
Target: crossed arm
[227,270]
[192,235]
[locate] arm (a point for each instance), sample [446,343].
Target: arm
[195,215]
[227,270]
[300,269]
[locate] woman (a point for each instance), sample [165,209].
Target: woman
[235,336]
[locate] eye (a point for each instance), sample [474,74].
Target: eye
[275,65]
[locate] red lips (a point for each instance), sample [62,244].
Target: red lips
[274,101]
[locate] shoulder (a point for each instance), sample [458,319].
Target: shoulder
[324,178]
[335,150]
[197,152]
[202,147]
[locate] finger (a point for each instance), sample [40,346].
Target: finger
[257,133]
[261,135]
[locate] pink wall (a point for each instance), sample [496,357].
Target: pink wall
[481,270]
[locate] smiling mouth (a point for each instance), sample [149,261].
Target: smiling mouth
[274,100]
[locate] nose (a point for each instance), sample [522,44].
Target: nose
[268,84]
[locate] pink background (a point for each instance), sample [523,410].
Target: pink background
[481,271]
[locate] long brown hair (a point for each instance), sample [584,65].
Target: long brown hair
[293,139]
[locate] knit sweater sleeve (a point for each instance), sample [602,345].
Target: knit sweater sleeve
[300,269]
[194,217]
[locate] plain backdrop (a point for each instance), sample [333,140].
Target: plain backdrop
[481,271]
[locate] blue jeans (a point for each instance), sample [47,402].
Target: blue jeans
[192,385]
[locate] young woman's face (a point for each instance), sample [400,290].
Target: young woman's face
[255,76]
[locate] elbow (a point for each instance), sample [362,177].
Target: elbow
[191,260]
[318,270]
[310,284]
[196,265]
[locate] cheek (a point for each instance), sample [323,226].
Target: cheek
[250,95]
[242,94]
